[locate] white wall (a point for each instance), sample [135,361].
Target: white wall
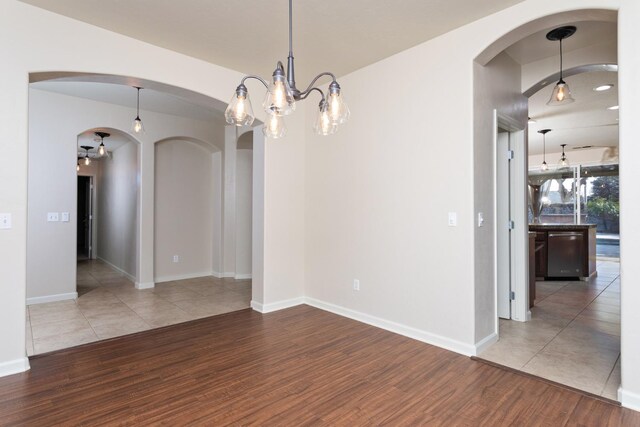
[117,209]
[184,204]
[244,184]
[496,87]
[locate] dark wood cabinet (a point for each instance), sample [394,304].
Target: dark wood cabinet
[541,254]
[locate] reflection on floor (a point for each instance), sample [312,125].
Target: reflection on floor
[573,337]
[109,305]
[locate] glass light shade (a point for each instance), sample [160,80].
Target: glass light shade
[563,163]
[324,125]
[338,110]
[101,149]
[239,111]
[78,166]
[544,166]
[137,126]
[274,127]
[561,94]
[87,161]
[279,99]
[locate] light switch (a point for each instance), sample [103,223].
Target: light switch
[65,216]
[53,217]
[453,219]
[480,219]
[5,221]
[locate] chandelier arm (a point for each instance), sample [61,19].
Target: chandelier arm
[308,92]
[326,73]
[251,76]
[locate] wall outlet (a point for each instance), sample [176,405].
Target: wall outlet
[480,219]
[65,217]
[5,221]
[176,258]
[356,284]
[53,217]
[453,219]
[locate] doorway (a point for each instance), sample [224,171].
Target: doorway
[85,218]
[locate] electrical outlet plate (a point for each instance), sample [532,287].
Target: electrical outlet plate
[176,258]
[356,284]
[453,219]
[65,216]
[5,221]
[53,217]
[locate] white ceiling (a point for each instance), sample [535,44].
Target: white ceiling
[250,36]
[587,121]
[536,46]
[150,100]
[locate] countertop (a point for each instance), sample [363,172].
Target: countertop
[542,227]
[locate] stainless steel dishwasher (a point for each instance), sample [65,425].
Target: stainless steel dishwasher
[565,253]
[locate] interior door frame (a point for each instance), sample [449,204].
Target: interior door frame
[519,248]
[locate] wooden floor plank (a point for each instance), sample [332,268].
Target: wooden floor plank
[300,366]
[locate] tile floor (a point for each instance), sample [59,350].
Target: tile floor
[109,305]
[573,337]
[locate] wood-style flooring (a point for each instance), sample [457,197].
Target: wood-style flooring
[300,366]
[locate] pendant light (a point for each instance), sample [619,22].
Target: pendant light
[282,95]
[137,126]
[78,165]
[563,163]
[561,94]
[544,166]
[101,148]
[87,159]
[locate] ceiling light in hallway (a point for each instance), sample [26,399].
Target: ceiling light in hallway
[281,98]
[602,88]
[101,149]
[87,159]
[561,94]
[544,165]
[137,126]
[564,163]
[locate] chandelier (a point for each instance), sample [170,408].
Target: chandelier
[281,98]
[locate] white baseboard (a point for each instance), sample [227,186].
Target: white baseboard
[485,343]
[242,276]
[220,275]
[52,298]
[182,277]
[628,399]
[407,331]
[275,306]
[14,367]
[118,269]
[147,285]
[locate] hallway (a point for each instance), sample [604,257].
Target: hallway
[573,337]
[108,306]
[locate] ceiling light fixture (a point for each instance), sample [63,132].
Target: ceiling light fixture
[544,166]
[602,88]
[561,94]
[78,165]
[531,121]
[615,107]
[137,126]
[564,163]
[87,159]
[101,149]
[281,98]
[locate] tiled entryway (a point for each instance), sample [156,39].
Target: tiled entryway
[109,305]
[573,337]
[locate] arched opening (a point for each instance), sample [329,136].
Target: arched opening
[548,291]
[119,296]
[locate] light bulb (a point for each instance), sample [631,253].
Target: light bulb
[274,128]
[137,126]
[78,167]
[324,125]
[239,111]
[561,94]
[279,99]
[87,161]
[101,149]
[338,110]
[544,166]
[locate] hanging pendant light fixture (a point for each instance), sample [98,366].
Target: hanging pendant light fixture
[561,94]
[563,163]
[101,148]
[544,166]
[78,165]
[87,159]
[137,126]
[282,95]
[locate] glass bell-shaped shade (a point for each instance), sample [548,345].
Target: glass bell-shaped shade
[338,110]
[324,125]
[274,127]
[544,167]
[101,149]
[137,126]
[78,166]
[561,94]
[239,111]
[563,163]
[279,99]
[87,160]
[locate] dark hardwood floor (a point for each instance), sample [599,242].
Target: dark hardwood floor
[300,366]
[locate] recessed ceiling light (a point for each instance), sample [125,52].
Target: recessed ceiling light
[602,88]
[615,107]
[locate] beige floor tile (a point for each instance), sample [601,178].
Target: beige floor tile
[59,328]
[70,313]
[119,328]
[64,340]
[166,317]
[610,390]
[506,353]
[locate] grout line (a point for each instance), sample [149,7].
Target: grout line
[610,373]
